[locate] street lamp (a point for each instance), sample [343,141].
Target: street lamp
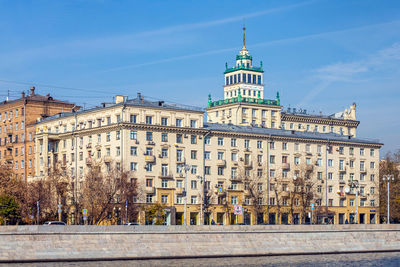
[186,167]
[202,184]
[355,184]
[388,178]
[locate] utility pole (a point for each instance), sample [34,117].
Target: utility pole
[388,178]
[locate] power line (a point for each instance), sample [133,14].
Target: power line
[53,86]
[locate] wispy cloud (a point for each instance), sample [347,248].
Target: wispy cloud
[261,44]
[141,41]
[350,72]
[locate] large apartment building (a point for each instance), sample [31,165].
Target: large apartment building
[277,166]
[17,130]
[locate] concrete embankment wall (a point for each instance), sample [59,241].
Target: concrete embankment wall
[68,243]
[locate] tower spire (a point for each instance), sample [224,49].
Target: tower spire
[244,37]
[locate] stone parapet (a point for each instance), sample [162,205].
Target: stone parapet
[66,243]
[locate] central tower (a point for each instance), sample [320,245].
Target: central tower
[244,79]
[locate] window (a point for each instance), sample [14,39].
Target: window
[296,160]
[234,200]
[194,169]
[372,152]
[272,173]
[149,167]
[233,173]
[149,198]
[207,140]
[133,135]
[179,199]
[133,166]
[233,142]
[108,120]
[118,151]
[372,177]
[179,183]
[220,155]
[330,162]
[330,189]
[133,118]
[164,183]
[246,143]
[220,141]
[234,157]
[361,151]
[164,121]
[179,155]
[149,136]
[179,138]
[220,171]
[372,165]
[108,137]
[330,175]
[149,182]
[118,135]
[133,151]
[193,200]
[193,123]
[164,199]
[362,166]
[372,190]
[330,202]
[351,202]
[149,120]
[259,144]
[193,139]
[178,122]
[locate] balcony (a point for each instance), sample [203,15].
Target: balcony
[166,175]
[179,190]
[234,188]
[285,166]
[89,145]
[180,161]
[235,178]
[309,167]
[107,158]
[149,158]
[248,164]
[9,145]
[285,193]
[221,163]
[150,190]
[9,157]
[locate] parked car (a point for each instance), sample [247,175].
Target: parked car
[131,223]
[54,223]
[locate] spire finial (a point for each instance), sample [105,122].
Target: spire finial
[244,36]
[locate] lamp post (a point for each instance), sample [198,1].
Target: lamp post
[355,184]
[388,178]
[186,168]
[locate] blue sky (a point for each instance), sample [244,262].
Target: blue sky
[320,55]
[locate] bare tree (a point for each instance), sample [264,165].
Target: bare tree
[104,192]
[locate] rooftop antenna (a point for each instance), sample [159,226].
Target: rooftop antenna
[8,94]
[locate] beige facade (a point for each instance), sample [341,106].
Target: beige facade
[153,141]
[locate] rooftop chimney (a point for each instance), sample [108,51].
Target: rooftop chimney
[32,90]
[23,94]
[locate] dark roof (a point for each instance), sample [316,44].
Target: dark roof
[40,98]
[140,101]
[287,133]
